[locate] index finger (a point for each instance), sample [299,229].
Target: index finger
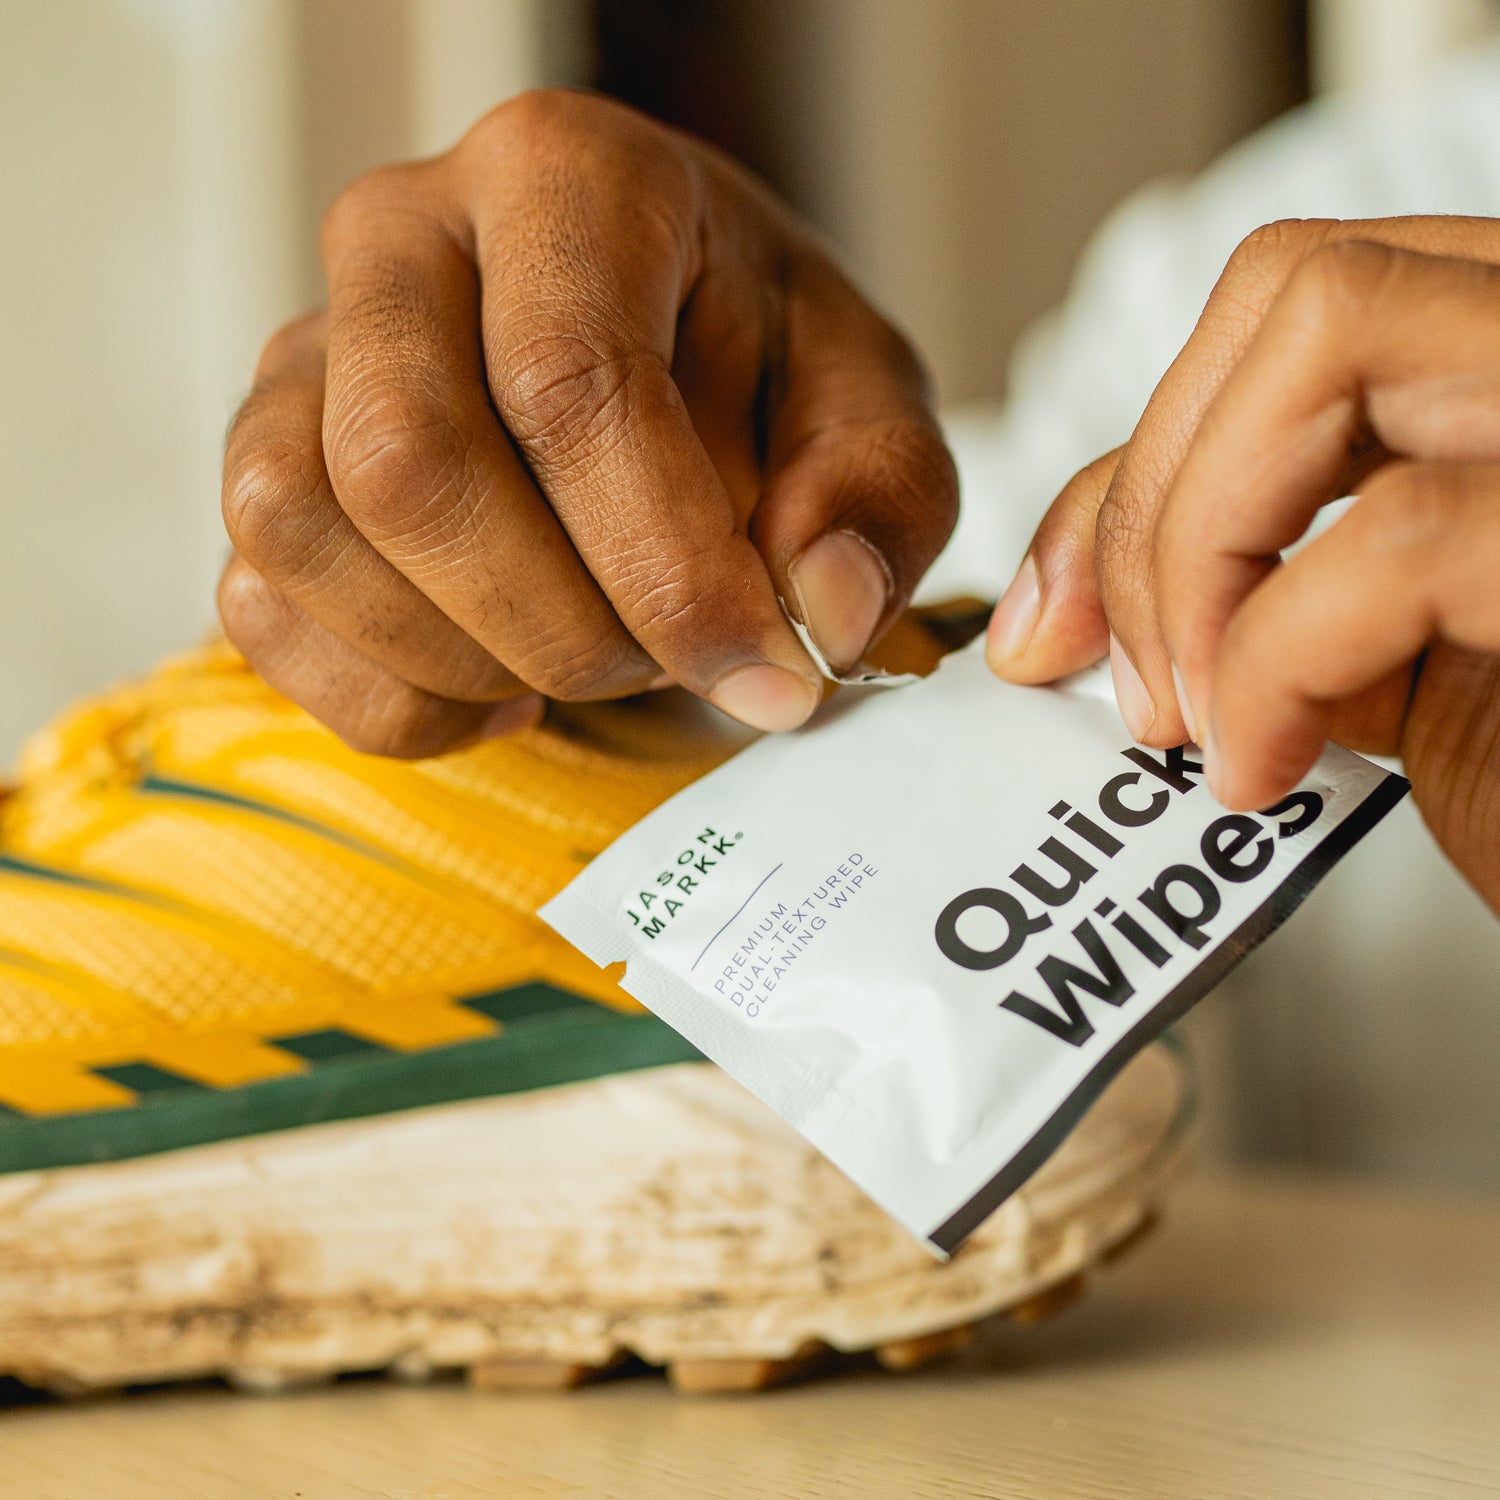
[584,280]
[1129,576]
[1367,342]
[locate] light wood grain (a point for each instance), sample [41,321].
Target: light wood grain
[1286,1339]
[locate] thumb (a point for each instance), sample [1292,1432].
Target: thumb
[1050,621]
[860,492]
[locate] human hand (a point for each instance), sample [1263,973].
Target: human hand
[1332,358]
[585,401]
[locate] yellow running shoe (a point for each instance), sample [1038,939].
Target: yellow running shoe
[293,1081]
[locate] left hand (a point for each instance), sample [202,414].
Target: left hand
[1332,358]
[586,405]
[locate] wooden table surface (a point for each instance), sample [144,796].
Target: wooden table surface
[1279,1338]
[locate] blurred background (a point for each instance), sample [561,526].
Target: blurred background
[165,164]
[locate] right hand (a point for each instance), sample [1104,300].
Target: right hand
[585,403]
[1334,357]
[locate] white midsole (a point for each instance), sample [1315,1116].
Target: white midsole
[665,1212]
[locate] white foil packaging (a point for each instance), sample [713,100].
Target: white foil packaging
[928,928]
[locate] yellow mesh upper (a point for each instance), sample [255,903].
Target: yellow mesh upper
[190,866]
[229,871]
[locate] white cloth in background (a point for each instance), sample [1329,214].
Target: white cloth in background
[1367,1035]
[1083,375]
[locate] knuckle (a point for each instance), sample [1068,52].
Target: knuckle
[391,452]
[530,117]
[244,606]
[562,397]
[267,480]
[350,211]
[364,203]
[1119,530]
[1269,248]
[1261,264]
[546,121]
[386,717]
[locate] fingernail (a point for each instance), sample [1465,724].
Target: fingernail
[513,714]
[1184,705]
[766,697]
[1014,621]
[1212,771]
[1136,707]
[842,587]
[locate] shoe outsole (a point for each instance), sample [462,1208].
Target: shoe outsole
[688,1377]
[659,1219]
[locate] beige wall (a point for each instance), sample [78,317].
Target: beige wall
[122,347]
[164,165]
[959,153]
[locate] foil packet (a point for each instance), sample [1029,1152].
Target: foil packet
[929,927]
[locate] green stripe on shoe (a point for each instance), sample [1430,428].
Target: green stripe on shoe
[550,1037]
